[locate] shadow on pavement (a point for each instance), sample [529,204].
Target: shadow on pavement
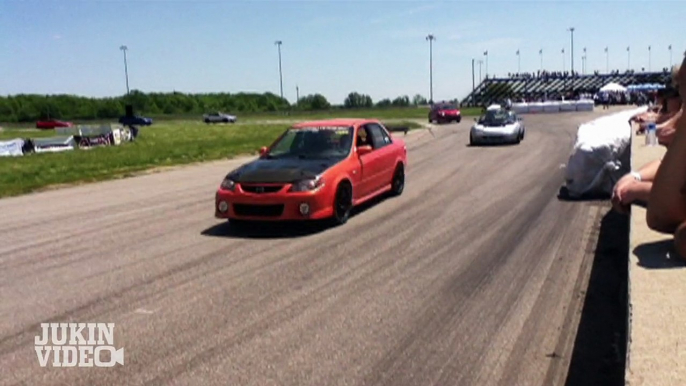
[493,144]
[599,355]
[658,255]
[281,229]
[264,230]
[563,195]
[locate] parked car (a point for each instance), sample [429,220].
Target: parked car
[219,117]
[497,126]
[135,120]
[49,124]
[315,170]
[444,112]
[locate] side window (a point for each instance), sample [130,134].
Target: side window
[363,137]
[379,136]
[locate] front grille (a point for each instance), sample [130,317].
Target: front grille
[258,210]
[261,188]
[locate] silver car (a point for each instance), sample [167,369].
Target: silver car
[497,126]
[219,117]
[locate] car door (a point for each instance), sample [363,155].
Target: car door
[383,156]
[371,164]
[383,141]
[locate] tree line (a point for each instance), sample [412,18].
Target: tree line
[32,107]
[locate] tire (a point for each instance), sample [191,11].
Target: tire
[207,121]
[226,120]
[342,204]
[398,181]
[458,120]
[471,140]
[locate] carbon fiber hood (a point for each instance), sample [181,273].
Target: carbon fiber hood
[281,170]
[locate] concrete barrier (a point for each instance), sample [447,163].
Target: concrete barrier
[552,107]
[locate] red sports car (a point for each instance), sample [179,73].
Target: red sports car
[444,112]
[51,124]
[316,170]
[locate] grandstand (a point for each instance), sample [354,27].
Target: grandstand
[555,85]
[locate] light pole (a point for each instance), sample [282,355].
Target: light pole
[628,58]
[670,56]
[563,61]
[540,53]
[585,62]
[519,63]
[607,60]
[571,29]
[480,63]
[486,56]
[648,58]
[431,39]
[126,68]
[297,95]
[473,84]
[278,44]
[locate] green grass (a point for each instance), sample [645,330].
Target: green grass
[375,113]
[163,144]
[394,113]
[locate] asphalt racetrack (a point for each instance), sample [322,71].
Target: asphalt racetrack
[472,277]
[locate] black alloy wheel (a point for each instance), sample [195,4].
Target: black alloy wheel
[398,182]
[343,204]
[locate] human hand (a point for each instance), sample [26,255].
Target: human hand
[665,135]
[621,194]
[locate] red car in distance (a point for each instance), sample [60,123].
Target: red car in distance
[315,170]
[49,124]
[444,112]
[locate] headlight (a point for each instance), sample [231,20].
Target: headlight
[228,184]
[307,185]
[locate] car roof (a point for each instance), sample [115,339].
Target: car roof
[334,122]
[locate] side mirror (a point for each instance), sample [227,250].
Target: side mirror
[475,120]
[263,150]
[364,149]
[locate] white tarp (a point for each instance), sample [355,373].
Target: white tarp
[12,148]
[600,155]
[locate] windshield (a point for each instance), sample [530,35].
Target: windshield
[496,117]
[447,107]
[314,142]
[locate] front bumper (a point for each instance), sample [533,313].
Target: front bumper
[278,206]
[494,137]
[449,118]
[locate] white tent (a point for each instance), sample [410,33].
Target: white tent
[613,87]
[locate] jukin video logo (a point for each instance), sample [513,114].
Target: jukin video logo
[69,347]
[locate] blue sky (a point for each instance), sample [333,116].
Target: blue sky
[329,47]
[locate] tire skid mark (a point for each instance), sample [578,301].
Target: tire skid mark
[448,305]
[349,289]
[86,231]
